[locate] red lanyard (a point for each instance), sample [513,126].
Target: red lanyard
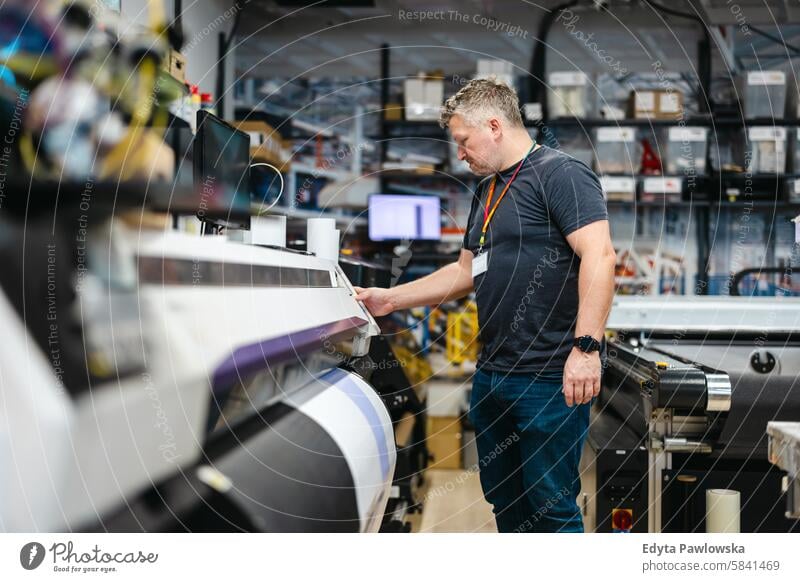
[488,214]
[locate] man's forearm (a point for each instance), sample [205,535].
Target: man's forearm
[595,293]
[448,283]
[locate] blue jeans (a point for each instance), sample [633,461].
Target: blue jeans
[529,447]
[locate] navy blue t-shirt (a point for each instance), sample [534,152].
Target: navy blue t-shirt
[528,298]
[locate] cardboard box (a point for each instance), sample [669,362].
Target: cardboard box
[394,112]
[266,144]
[175,65]
[655,104]
[444,442]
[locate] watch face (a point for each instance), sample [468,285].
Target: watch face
[588,344]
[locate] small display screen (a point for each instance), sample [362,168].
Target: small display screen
[400,217]
[222,172]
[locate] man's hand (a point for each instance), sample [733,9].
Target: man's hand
[581,377]
[377,300]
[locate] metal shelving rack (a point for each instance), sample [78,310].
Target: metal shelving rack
[703,207]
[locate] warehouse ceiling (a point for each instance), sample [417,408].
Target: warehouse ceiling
[328,59]
[285,39]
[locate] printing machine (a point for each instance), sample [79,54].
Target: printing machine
[689,386]
[784,451]
[158,381]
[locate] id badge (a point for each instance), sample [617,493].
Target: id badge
[480,264]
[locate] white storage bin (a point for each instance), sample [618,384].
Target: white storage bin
[661,189]
[423,99]
[767,150]
[686,151]
[618,188]
[616,150]
[569,95]
[764,94]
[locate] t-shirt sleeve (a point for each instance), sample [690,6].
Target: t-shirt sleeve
[574,197]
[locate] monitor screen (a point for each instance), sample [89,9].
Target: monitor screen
[222,172]
[399,217]
[182,199]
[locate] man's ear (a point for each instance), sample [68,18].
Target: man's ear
[495,127]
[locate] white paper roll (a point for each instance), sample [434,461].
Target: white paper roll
[329,250]
[723,511]
[320,234]
[268,230]
[333,246]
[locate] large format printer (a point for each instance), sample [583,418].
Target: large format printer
[784,451]
[689,387]
[158,381]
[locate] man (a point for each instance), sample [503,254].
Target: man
[538,253]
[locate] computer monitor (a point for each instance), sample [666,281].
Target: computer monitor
[404,217]
[222,172]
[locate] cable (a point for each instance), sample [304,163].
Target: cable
[537,85]
[776,39]
[263,210]
[673,12]
[703,53]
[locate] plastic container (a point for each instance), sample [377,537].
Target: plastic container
[616,150]
[764,94]
[660,189]
[618,188]
[686,151]
[793,190]
[766,150]
[795,151]
[569,95]
[572,141]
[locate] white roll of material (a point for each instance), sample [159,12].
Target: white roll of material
[723,508]
[268,230]
[322,238]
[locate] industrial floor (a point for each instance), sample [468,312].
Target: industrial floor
[453,503]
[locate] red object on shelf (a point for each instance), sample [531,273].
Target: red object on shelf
[651,163]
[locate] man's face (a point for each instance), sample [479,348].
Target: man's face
[476,144]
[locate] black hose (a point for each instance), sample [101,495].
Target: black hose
[537,85]
[776,39]
[703,53]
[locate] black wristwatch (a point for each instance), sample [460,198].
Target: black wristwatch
[587,344]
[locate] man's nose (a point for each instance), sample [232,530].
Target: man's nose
[462,153]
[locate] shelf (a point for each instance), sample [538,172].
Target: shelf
[405,189]
[664,205]
[415,129]
[574,122]
[29,198]
[701,121]
[435,175]
[706,204]
[320,172]
[305,214]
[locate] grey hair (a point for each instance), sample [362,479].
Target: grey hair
[481,98]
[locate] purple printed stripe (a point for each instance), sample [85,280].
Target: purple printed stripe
[259,356]
[344,382]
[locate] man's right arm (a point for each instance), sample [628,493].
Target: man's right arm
[450,282]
